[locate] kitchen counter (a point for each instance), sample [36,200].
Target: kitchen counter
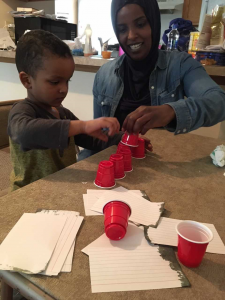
[85,64]
[92,64]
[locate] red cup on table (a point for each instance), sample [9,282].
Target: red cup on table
[130,139]
[116,214]
[193,239]
[122,146]
[105,175]
[117,160]
[139,152]
[127,159]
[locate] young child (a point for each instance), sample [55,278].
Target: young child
[42,132]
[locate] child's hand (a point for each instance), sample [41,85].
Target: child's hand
[94,127]
[148,145]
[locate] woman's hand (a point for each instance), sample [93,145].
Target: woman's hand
[148,145]
[148,117]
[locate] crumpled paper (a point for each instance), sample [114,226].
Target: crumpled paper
[218,156]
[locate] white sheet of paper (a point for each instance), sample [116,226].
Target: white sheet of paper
[165,234]
[92,197]
[67,266]
[65,242]
[63,247]
[99,193]
[29,245]
[143,211]
[129,264]
[140,268]
[133,238]
[89,201]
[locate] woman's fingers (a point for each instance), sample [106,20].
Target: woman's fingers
[131,119]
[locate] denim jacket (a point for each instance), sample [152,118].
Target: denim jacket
[177,80]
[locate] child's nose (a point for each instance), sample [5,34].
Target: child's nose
[63,89]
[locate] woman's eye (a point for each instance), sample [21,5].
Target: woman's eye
[121,29]
[141,24]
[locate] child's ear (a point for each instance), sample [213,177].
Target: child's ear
[25,80]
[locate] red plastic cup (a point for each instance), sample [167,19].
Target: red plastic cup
[122,146]
[127,159]
[193,239]
[105,175]
[121,52]
[139,152]
[116,214]
[130,139]
[117,160]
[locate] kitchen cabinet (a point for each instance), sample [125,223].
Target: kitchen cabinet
[191,10]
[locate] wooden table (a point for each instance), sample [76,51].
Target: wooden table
[179,172]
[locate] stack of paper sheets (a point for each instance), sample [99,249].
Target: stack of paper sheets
[142,211]
[41,243]
[165,234]
[132,264]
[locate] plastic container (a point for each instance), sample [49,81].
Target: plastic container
[106,54]
[105,175]
[116,214]
[193,239]
[139,152]
[130,139]
[173,39]
[121,52]
[117,160]
[127,158]
[122,146]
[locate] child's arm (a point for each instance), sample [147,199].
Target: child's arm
[94,128]
[95,144]
[31,132]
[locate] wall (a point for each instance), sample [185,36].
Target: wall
[79,99]
[68,9]
[48,6]
[5,7]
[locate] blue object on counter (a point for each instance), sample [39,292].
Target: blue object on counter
[78,52]
[210,58]
[184,28]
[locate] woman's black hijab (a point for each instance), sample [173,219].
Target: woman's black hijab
[137,72]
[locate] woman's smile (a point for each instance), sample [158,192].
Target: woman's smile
[135,47]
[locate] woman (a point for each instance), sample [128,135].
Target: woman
[146,87]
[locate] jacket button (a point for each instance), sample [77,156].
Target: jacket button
[172,95]
[152,87]
[102,103]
